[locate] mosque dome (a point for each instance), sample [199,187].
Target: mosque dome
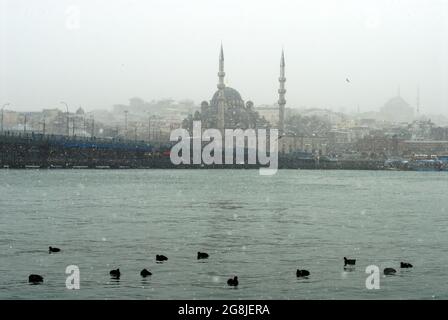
[398,110]
[397,103]
[80,111]
[231,96]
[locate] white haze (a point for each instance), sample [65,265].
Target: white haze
[169,48]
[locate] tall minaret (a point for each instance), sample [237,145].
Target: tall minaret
[221,86]
[418,100]
[281,96]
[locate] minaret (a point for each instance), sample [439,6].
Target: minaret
[221,86]
[281,96]
[418,100]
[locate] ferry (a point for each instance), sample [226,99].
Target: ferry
[427,163]
[396,164]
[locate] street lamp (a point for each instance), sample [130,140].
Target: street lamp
[84,125]
[126,123]
[93,124]
[3,107]
[153,117]
[149,127]
[43,125]
[68,125]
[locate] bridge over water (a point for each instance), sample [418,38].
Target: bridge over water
[22,150]
[19,150]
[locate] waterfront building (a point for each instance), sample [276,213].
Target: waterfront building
[429,147]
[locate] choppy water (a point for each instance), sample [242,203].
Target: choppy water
[259,228]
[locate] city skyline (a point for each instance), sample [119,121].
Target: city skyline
[92,56]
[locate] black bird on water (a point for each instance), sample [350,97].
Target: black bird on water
[161,258]
[349,262]
[53,250]
[202,255]
[144,273]
[389,271]
[405,265]
[115,274]
[233,282]
[302,273]
[35,279]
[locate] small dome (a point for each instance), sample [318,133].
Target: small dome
[231,96]
[80,111]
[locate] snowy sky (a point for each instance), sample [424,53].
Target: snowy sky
[98,53]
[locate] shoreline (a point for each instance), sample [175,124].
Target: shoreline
[230,167]
[60,152]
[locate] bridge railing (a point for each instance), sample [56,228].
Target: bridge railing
[75,141]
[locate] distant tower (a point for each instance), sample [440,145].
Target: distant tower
[221,86]
[281,96]
[418,100]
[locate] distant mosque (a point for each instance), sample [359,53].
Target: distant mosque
[397,109]
[227,109]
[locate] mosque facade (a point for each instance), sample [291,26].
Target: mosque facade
[227,109]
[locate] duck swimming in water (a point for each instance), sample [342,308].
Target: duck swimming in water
[202,255]
[144,273]
[115,274]
[349,262]
[405,265]
[35,279]
[53,250]
[302,273]
[389,271]
[233,282]
[161,258]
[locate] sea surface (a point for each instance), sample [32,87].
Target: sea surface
[260,228]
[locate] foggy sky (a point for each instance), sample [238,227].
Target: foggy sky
[169,48]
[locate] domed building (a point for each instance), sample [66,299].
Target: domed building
[397,110]
[232,98]
[227,109]
[80,111]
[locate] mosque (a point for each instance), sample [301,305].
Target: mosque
[397,110]
[227,110]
